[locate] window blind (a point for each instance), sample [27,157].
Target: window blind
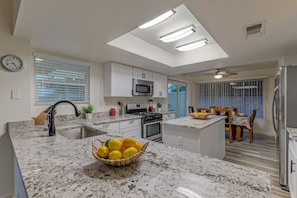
[57,80]
[246,95]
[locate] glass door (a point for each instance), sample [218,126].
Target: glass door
[177,99]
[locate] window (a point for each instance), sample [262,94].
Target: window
[60,79]
[177,98]
[246,95]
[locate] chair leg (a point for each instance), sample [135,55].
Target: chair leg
[250,136]
[230,136]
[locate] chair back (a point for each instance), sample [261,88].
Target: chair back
[252,117]
[190,109]
[201,109]
[232,108]
[227,112]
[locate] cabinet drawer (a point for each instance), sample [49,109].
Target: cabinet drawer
[130,123]
[168,116]
[115,126]
[133,132]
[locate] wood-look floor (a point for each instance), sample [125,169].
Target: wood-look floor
[262,154]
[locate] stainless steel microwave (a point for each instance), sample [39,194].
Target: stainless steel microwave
[142,87]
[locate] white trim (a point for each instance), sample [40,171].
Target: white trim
[233,79]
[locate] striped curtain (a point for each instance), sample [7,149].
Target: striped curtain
[246,95]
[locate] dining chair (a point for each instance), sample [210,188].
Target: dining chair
[190,109]
[213,109]
[251,130]
[228,121]
[201,109]
[232,108]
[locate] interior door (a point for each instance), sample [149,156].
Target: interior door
[177,99]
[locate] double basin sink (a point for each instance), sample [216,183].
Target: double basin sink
[79,132]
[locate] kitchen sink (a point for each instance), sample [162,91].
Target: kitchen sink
[79,132]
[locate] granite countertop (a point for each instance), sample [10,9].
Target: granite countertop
[167,112]
[57,167]
[190,122]
[293,133]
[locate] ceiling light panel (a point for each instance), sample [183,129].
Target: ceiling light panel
[179,34]
[157,20]
[193,45]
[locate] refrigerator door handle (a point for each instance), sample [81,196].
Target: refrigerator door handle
[273,111]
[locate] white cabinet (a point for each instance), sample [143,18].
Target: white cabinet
[114,126]
[292,167]
[142,74]
[160,85]
[168,116]
[117,80]
[131,128]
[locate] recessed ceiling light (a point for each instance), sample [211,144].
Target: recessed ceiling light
[193,45]
[179,34]
[157,20]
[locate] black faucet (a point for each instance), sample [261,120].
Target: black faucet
[51,115]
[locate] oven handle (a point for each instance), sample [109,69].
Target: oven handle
[149,123]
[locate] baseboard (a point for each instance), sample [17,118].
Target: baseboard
[10,195]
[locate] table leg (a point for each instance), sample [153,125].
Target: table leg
[238,132]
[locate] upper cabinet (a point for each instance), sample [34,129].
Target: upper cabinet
[117,80]
[160,85]
[142,74]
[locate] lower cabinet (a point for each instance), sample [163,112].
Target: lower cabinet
[114,126]
[292,167]
[131,128]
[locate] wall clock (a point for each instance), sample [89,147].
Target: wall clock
[12,63]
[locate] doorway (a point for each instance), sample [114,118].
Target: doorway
[177,99]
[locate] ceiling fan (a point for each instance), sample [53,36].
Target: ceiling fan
[220,73]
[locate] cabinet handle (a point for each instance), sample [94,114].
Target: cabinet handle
[292,163]
[131,122]
[105,126]
[290,139]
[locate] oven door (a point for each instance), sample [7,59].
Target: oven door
[152,131]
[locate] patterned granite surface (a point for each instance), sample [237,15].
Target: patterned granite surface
[190,122]
[293,132]
[57,167]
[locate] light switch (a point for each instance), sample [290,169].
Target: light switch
[15,94]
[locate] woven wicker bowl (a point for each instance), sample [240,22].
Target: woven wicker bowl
[202,116]
[119,162]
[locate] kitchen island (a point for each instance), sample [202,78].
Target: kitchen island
[206,137]
[57,167]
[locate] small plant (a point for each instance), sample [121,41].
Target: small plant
[159,105]
[88,109]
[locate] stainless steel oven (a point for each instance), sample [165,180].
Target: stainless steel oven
[143,87]
[151,122]
[152,131]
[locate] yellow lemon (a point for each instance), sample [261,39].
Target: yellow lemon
[138,146]
[103,151]
[129,142]
[107,141]
[115,145]
[114,155]
[129,152]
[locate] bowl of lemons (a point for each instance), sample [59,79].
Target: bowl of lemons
[200,115]
[118,152]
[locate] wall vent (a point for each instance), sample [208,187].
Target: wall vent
[257,29]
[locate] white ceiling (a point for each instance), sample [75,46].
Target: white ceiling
[83,29]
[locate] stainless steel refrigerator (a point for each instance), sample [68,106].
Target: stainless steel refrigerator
[284,115]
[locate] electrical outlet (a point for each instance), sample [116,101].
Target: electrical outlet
[180,140]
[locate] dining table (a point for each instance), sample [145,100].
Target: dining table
[239,122]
